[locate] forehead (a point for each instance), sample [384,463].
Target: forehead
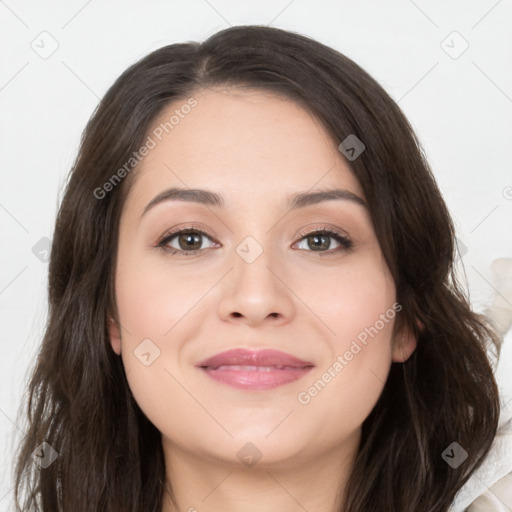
[245,144]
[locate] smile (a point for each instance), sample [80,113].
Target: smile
[269,368]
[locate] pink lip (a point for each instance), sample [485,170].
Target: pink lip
[255,369]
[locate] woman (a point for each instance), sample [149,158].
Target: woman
[252,298]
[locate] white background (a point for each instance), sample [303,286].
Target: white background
[461,109]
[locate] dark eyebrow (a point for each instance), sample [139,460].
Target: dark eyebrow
[209,198]
[310,198]
[193,195]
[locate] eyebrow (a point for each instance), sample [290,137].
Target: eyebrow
[209,198]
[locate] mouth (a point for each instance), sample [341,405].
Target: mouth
[255,370]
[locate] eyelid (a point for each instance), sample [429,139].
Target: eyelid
[324,228]
[172,232]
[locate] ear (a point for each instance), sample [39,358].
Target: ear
[114,333]
[404,345]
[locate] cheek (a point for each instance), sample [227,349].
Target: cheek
[347,386]
[358,306]
[158,312]
[151,297]
[352,300]
[146,307]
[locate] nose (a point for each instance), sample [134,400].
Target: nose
[256,291]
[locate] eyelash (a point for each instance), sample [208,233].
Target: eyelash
[345,242]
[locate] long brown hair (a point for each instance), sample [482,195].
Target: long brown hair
[110,457]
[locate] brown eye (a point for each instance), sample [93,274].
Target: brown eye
[320,241]
[190,241]
[185,241]
[317,242]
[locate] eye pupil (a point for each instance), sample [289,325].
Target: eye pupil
[326,241]
[187,238]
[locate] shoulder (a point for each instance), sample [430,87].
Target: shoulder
[497,498]
[490,488]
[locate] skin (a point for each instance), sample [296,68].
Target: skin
[255,149]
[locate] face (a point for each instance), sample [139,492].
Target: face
[300,291]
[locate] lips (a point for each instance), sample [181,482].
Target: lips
[250,369]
